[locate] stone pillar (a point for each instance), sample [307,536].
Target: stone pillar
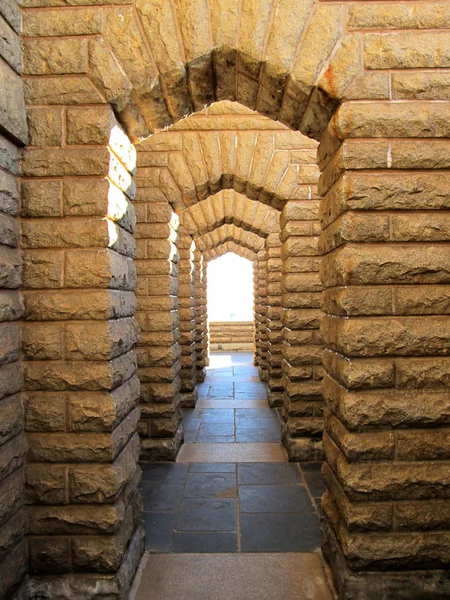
[13,127]
[160,426]
[273,323]
[256,313]
[201,329]
[186,301]
[386,274]
[205,304]
[79,372]
[302,344]
[262,309]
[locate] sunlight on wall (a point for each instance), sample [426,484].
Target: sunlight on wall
[230,289]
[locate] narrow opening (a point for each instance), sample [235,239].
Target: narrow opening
[230,304]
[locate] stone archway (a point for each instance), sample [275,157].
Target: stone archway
[383,162]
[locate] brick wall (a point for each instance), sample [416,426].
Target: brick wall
[13,134]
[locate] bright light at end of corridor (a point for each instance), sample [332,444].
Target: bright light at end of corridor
[230,289]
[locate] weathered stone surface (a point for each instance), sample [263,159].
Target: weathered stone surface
[54,57]
[10,47]
[57,90]
[425,49]
[12,104]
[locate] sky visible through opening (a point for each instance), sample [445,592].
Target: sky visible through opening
[230,288]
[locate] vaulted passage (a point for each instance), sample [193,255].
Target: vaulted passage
[139,142]
[232,495]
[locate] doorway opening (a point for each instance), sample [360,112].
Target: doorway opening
[231,305]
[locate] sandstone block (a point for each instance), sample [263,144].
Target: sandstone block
[425,49]
[89,126]
[41,198]
[102,484]
[9,194]
[10,47]
[45,126]
[49,555]
[424,119]
[46,484]
[54,57]
[11,415]
[12,103]
[54,22]
[57,90]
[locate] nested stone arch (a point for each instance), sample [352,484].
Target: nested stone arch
[227,247]
[230,207]
[225,233]
[177,60]
[208,153]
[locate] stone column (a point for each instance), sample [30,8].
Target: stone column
[262,309]
[273,323]
[160,426]
[302,343]
[13,127]
[386,274]
[205,304]
[201,339]
[256,314]
[186,301]
[79,372]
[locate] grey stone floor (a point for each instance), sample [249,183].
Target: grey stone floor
[242,505]
[232,493]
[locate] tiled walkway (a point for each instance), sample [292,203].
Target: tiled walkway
[232,493]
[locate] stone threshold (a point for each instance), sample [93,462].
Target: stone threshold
[231,453]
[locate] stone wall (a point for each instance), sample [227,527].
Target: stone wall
[13,134]
[231,336]
[370,80]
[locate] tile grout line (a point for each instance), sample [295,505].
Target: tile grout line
[238,512]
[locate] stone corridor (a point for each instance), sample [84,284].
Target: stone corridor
[141,139]
[199,509]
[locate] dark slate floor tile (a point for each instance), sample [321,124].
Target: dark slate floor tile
[191,424]
[220,393]
[203,389]
[250,396]
[258,413]
[207,514]
[212,468]
[279,532]
[312,466]
[164,472]
[195,413]
[246,369]
[255,435]
[189,436]
[258,424]
[249,386]
[216,428]
[268,473]
[161,497]
[218,415]
[158,531]
[274,499]
[315,483]
[214,485]
[204,542]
